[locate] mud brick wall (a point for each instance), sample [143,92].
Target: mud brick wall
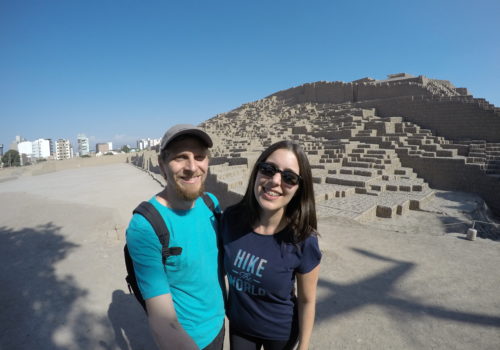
[454,174]
[225,196]
[451,118]
[372,91]
[320,92]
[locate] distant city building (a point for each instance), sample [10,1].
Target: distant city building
[1,149]
[63,149]
[24,159]
[52,148]
[13,144]
[41,148]
[110,145]
[102,147]
[147,143]
[83,145]
[140,144]
[25,147]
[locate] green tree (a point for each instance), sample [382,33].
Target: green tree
[125,149]
[11,158]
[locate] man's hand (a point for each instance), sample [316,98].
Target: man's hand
[167,331]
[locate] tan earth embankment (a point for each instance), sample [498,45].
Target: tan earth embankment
[51,166]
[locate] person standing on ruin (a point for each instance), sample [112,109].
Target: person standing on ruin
[184,296]
[270,240]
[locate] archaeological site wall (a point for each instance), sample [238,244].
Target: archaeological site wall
[319,92]
[433,104]
[376,148]
[457,118]
[371,91]
[454,174]
[365,89]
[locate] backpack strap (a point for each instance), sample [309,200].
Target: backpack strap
[210,204]
[150,213]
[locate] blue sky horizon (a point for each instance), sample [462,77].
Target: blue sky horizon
[123,70]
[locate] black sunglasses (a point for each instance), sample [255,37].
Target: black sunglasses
[288,176]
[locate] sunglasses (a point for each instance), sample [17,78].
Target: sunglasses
[288,176]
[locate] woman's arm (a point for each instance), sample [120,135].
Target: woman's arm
[306,287]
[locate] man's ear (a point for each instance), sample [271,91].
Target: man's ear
[161,165]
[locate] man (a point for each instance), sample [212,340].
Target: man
[184,297]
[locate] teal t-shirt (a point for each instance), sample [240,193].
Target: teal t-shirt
[194,277]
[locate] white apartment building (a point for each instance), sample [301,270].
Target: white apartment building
[147,143]
[63,149]
[140,144]
[25,147]
[83,145]
[41,148]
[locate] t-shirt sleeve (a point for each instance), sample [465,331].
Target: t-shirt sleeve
[311,255]
[145,250]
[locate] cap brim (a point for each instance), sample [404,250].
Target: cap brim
[193,131]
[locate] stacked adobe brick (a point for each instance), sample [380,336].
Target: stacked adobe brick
[369,138]
[375,147]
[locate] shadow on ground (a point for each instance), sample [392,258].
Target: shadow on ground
[38,306]
[129,323]
[378,290]
[43,310]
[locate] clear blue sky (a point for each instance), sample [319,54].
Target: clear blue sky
[122,70]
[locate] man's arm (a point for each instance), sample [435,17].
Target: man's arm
[167,331]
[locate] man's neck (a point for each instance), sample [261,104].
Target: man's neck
[173,200]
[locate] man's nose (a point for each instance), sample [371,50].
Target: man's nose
[190,164]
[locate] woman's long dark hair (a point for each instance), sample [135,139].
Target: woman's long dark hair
[300,211]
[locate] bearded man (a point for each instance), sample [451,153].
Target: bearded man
[184,295]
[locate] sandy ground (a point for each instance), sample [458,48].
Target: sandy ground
[406,283]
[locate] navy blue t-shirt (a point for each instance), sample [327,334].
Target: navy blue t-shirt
[261,273]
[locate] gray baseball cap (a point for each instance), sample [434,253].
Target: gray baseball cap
[184,129]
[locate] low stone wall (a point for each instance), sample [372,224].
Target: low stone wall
[455,175]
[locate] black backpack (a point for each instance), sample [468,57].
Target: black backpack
[147,210]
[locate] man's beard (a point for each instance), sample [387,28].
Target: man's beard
[188,195]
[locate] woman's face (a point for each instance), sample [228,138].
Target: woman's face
[272,193]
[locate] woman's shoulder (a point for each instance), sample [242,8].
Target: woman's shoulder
[232,214]
[232,221]
[310,253]
[309,242]
[229,209]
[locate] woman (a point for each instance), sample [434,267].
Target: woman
[269,240]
